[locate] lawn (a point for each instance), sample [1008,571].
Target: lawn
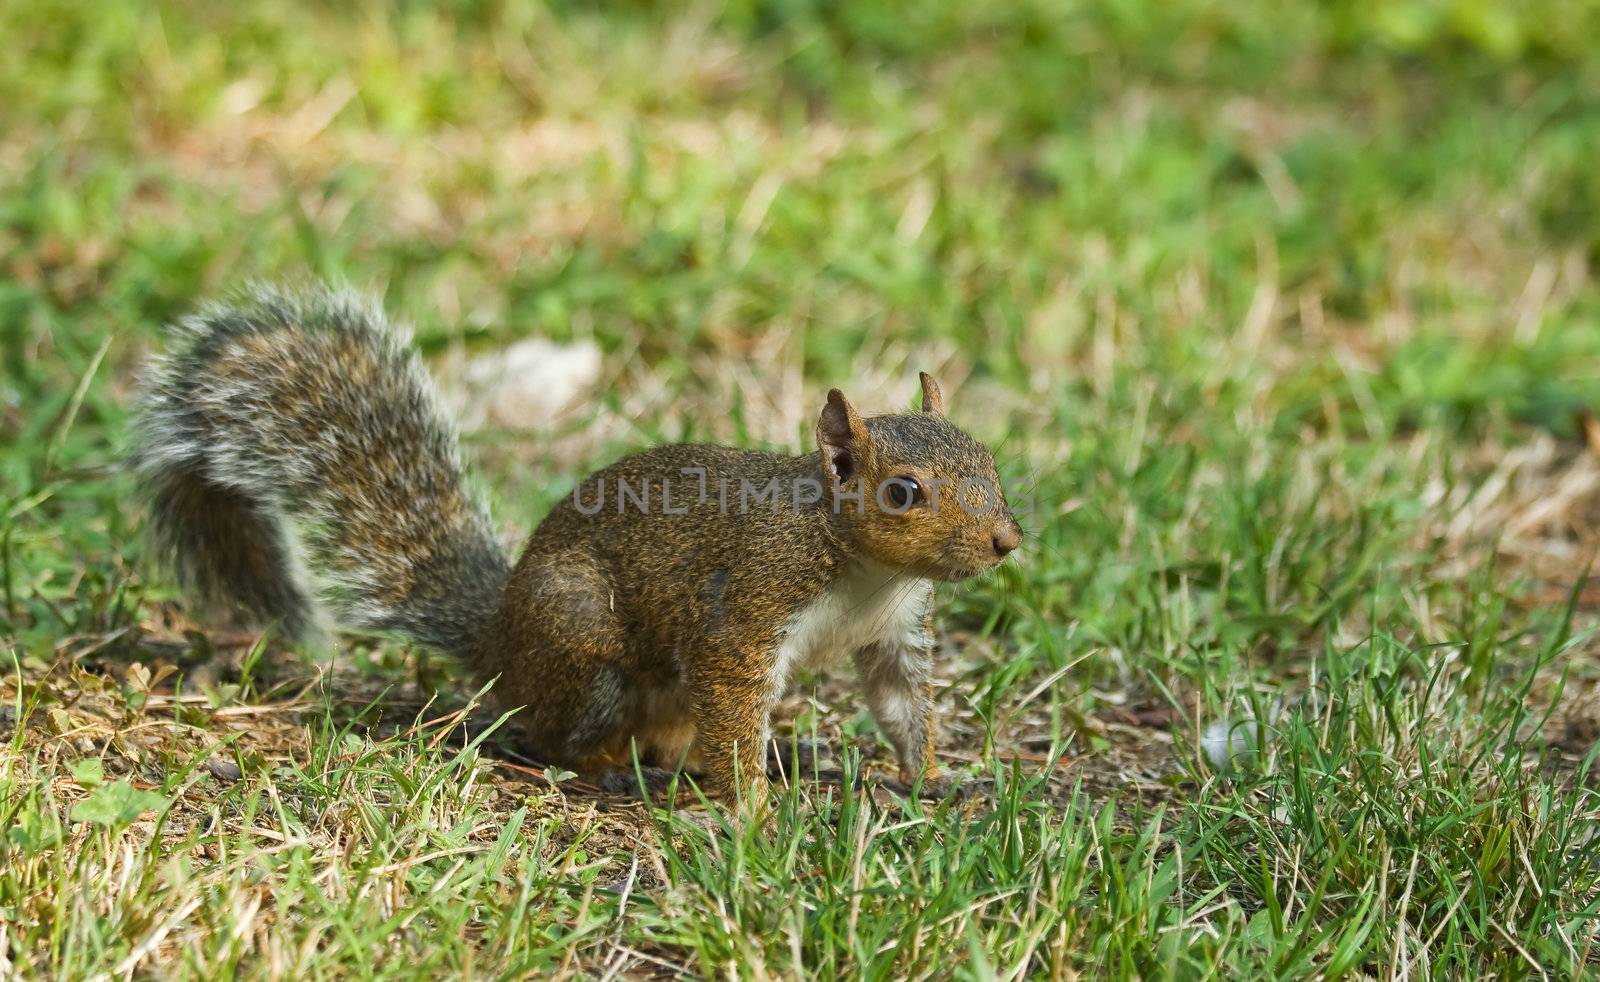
[1284,315]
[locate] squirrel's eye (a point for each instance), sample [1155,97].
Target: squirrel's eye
[903,492]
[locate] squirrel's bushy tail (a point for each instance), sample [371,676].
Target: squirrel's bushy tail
[295,459]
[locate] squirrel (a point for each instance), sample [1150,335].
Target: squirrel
[296,461]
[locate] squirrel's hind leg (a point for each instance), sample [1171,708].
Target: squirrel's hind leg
[566,666]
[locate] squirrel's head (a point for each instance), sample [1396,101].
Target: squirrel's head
[913,491]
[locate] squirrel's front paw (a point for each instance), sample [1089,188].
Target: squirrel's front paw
[934,786]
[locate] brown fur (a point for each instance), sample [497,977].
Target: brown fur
[689,609]
[662,628]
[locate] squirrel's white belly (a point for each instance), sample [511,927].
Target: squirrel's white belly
[868,605]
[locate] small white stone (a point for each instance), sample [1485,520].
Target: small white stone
[1227,742]
[530,383]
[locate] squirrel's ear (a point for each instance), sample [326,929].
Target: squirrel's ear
[932,398]
[842,438]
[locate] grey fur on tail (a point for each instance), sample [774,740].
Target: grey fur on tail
[296,460]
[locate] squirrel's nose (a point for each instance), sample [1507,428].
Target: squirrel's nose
[1007,538]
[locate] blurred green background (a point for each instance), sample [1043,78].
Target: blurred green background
[1032,183]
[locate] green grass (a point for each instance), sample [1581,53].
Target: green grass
[1285,314]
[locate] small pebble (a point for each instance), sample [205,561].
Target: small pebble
[223,770]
